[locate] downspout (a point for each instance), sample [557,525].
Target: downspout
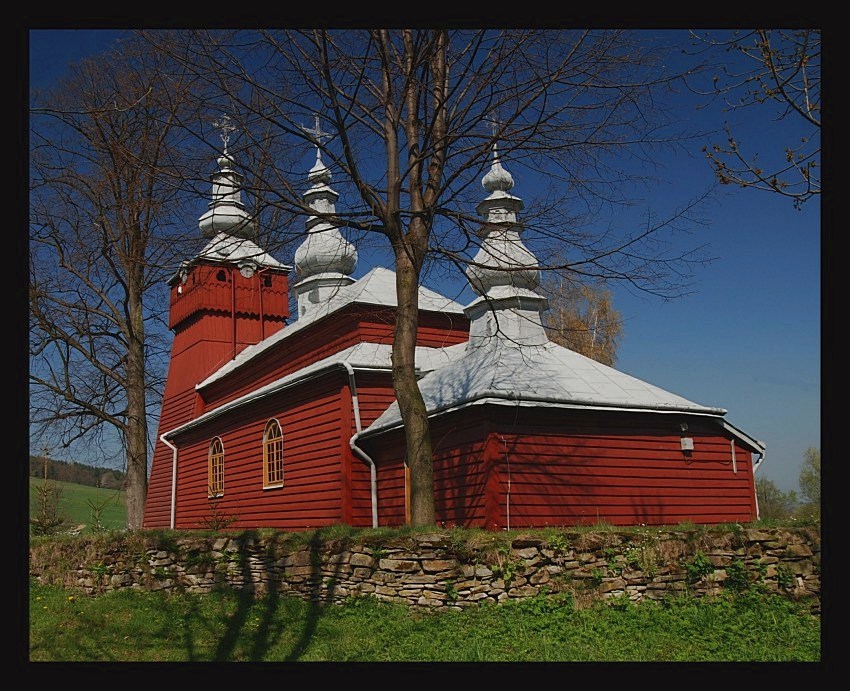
[756,494]
[757,464]
[356,449]
[173,476]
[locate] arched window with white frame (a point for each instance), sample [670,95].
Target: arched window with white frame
[272,455]
[215,474]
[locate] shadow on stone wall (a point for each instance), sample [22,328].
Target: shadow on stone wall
[437,570]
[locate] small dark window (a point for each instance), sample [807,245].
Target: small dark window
[221,276]
[267,281]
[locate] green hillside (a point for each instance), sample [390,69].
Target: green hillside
[75,506]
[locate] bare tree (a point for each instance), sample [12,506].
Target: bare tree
[777,70]
[106,208]
[416,115]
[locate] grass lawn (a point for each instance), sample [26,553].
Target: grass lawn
[80,505]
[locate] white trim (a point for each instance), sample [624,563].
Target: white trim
[215,495]
[373,472]
[266,483]
[173,448]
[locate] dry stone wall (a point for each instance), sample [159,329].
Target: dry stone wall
[439,571]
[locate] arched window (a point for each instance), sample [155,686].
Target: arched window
[273,455]
[215,482]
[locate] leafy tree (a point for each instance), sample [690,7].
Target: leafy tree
[582,318]
[777,70]
[810,481]
[774,504]
[416,115]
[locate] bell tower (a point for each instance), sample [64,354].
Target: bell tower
[232,294]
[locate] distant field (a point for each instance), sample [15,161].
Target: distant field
[74,505]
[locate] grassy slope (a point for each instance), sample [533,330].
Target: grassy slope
[226,626]
[74,505]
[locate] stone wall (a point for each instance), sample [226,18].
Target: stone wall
[439,570]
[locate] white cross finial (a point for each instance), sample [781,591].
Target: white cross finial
[225,126]
[318,134]
[494,127]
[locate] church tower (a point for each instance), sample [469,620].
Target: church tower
[325,260]
[231,295]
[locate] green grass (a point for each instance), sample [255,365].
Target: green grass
[230,626]
[74,505]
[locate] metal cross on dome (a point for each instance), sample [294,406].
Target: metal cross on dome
[494,125]
[317,132]
[225,127]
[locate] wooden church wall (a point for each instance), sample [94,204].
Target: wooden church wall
[312,344]
[310,417]
[461,473]
[573,468]
[374,395]
[499,467]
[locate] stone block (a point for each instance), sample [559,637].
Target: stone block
[437,565]
[798,550]
[527,553]
[609,585]
[539,577]
[402,565]
[361,559]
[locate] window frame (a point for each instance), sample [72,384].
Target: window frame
[273,454]
[215,469]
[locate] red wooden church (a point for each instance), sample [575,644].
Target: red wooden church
[294,425]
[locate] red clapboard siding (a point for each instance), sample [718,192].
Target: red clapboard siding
[203,291]
[459,473]
[310,417]
[351,325]
[176,409]
[565,477]
[627,469]
[375,394]
[315,342]
[461,470]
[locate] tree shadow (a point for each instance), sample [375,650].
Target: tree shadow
[317,602]
[272,624]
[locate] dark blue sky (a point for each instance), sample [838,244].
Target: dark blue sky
[748,339]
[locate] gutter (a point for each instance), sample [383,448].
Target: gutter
[173,475]
[253,397]
[495,397]
[489,396]
[373,473]
[756,466]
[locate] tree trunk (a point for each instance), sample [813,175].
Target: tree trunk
[136,426]
[417,432]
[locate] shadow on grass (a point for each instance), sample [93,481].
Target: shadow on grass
[273,623]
